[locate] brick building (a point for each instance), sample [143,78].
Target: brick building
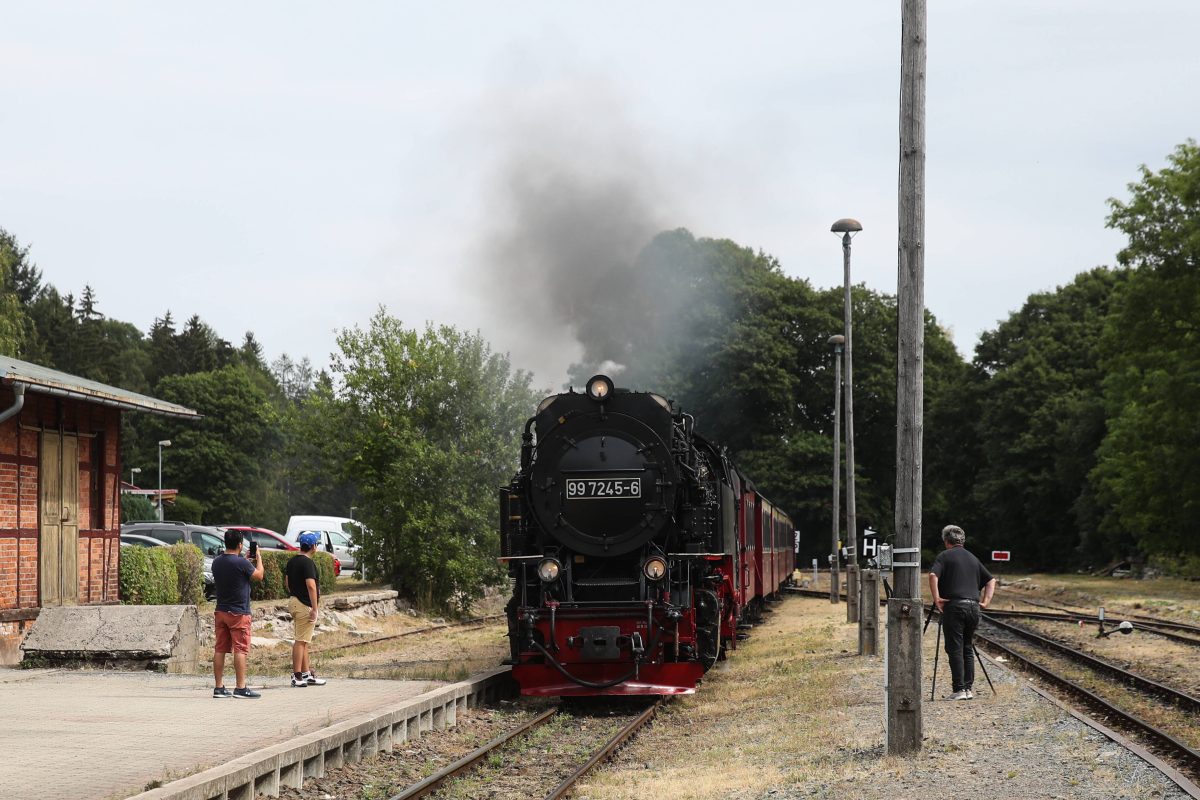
[60,468]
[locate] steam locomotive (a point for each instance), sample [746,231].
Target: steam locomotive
[636,548]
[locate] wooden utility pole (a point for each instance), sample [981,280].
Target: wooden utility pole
[903,690]
[836,341]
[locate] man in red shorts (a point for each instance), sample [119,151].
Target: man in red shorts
[232,574]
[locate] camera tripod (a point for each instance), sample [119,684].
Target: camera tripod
[937,645]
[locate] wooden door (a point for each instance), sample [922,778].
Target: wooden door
[58,551]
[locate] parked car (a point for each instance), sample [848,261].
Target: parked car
[267,539]
[270,540]
[337,536]
[133,535]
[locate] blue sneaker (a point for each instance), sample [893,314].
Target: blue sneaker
[246,693]
[221,691]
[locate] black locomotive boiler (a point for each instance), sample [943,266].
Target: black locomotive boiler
[635,546]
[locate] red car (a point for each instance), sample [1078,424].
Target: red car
[270,540]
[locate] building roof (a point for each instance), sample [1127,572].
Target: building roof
[44,380]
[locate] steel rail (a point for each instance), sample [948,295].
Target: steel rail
[1179,698]
[435,780]
[1166,741]
[1152,627]
[622,736]
[413,632]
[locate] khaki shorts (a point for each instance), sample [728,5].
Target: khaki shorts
[301,620]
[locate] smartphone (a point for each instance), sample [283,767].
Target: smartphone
[253,550]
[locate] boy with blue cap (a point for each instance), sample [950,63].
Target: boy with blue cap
[300,578]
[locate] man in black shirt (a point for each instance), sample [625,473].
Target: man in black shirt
[300,577]
[955,581]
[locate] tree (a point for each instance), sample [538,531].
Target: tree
[15,272]
[1040,418]
[224,460]
[435,420]
[1149,462]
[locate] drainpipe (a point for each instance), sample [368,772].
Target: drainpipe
[12,411]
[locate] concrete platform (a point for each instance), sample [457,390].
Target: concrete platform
[75,735]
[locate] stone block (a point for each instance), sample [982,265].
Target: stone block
[124,637]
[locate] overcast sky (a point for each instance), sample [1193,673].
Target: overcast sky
[288,167]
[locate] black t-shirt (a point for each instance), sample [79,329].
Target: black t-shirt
[300,568]
[231,574]
[960,574]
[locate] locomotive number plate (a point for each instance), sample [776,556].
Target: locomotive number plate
[603,488]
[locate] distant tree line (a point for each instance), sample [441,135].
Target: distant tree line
[1070,438]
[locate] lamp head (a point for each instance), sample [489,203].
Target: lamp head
[846,225]
[165,443]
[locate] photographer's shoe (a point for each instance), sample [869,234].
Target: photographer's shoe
[247,693]
[970,694]
[221,691]
[299,681]
[961,694]
[313,680]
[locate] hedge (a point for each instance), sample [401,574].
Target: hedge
[271,587]
[148,576]
[189,568]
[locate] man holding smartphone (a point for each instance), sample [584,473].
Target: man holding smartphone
[232,574]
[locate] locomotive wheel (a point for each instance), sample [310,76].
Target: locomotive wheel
[708,628]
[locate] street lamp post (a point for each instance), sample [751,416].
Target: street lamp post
[161,445]
[837,341]
[848,227]
[133,471]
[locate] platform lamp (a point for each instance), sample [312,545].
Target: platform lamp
[161,445]
[847,228]
[133,471]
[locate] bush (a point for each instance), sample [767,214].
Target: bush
[148,577]
[325,577]
[186,509]
[189,569]
[272,587]
[136,507]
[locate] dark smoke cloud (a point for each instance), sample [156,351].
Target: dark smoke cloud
[572,200]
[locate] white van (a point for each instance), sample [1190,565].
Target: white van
[337,536]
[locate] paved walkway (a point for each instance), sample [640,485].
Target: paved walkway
[70,735]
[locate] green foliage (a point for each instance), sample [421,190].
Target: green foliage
[1040,420]
[223,460]
[135,507]
[271,586]
[189,568]
[148,576]
[326,580]
[14,321]
[1149,462]
[434,423]
[185,509]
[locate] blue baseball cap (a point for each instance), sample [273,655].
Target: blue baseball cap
[308,538]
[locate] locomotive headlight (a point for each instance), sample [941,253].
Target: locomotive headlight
[548,569]
[600,387]
[654,568]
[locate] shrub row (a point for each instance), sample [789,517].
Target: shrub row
[154,576]
[271,587]
[151,576]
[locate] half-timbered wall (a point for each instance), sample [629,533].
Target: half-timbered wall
[91,520]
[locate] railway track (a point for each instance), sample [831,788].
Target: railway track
[468,623]
[467,763]
[1158,627]
[1173,712]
